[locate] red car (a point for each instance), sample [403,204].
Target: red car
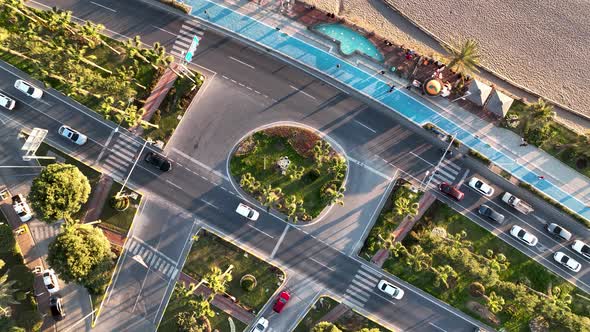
[281,301]
[451,191]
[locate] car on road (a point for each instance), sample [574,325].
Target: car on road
[491,214]
[284,297]
[50,281]
[260,325]
[72,135]
[481,186]
[29,89]
[581,248]
[567,261]
[20,206]
[161,162]
[57,310]
[451,191]
[391,290]
[7,102]
[559,231]
[247,212]
[524,236]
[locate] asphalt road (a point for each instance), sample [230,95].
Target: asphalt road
[375,139]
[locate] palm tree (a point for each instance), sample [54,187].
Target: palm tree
[158,55]
[398,249]
[6,294]
[404,207]
[133,48]
[442,275]
[270,196]
[216,280]
[334,194]
[465,60]
[293,206]
[541,111]
[79,55]
[92,34]
[321,151]
[59,20]
[417,258]
[338,166]
[495,302]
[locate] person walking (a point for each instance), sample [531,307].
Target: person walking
[541,177]
[391,88]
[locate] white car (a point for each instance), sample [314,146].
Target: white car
[391,290]
[524,236]
[260,325]
[20,206]
[248,212]
[567,261]
[29,89]
[481,186]
[581,248]
[7,102]
[72,135]
[50,281]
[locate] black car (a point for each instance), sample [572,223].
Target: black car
[487,211]
[57,311]
[161,162]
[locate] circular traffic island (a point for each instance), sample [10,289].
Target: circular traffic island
[290,169]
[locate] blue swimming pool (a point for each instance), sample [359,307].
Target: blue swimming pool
[350,40]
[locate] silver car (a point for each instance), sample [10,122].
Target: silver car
[29,89]
[7,102]
[490,213]
[559,231]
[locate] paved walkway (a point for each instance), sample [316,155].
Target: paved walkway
[97,198]
[292,40]
[160,91]
[221,302]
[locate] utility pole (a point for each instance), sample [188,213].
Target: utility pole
[440,161]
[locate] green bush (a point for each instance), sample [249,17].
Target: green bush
[476,289]
[120,203]
[479,156]
[248,283]
[177,5]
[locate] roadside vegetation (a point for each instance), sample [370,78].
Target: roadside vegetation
[254,281]
[118,212]
[350,321]
[18,306]
[401,202]
[463,264]
[313,178]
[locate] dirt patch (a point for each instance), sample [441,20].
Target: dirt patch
[483,312]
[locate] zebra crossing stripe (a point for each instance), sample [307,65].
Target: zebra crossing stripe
[194,24]
[355,302]
[364,281]
[141,250]
[362,285]
[165,269]
[123,151]
[116,163]
[187,29]
[174,272]
[361,297]
[182,43]
[442,174]
[132,247]
[452,165]
[368,276]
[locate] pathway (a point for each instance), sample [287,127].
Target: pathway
[296,43]
[97,198]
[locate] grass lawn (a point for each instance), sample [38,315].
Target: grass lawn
[388,220]
[351,322]
[172,109]
[261,162]
[520,268]
[219,322]
[118,221]
[211,250]
[25,313]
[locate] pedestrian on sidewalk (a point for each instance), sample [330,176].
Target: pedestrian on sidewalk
[206,13]
[391,88]
[541,177]
[338,66]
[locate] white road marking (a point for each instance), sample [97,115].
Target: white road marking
[174,184]
[274,251]
[362,124]
[322,264]
[424,160]
[164,30]
[261,231]
[438,328]
[242,62]
[303,92]
[105,7]
[543,221]
[200,164]
[370,168]
[209,203]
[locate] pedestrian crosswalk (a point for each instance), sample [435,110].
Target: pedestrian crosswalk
[361,286]
[42,231]
[155,260]
[446,172]
[185,37]
[120,156]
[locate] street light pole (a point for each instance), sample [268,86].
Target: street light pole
[424,179]
[132,168]
[440,161]
[468,93]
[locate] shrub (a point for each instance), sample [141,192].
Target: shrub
[248,282]
[120,203]
[476,289]
[157,117]
[479,156]
[177,5]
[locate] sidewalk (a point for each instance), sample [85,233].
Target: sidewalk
[263,25]
[97,198]
[221,302]
[159,92]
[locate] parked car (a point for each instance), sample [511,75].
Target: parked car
[29,89]
[260,325]
[559,231]
[57,310]
[451,191]
[481,186]
[159,161]
[72,135]
[247,212]
[50,281]
[581,248]
[20,206]
[567,261]
[391,290]
[491,214]
[7,102]
[284,297]
[524,236]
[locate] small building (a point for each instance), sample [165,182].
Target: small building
[499,103]
[478,92]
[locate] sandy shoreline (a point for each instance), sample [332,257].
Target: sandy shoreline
[540,44]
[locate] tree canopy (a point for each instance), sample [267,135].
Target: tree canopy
[81,253]
[58,192]
[325,327]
